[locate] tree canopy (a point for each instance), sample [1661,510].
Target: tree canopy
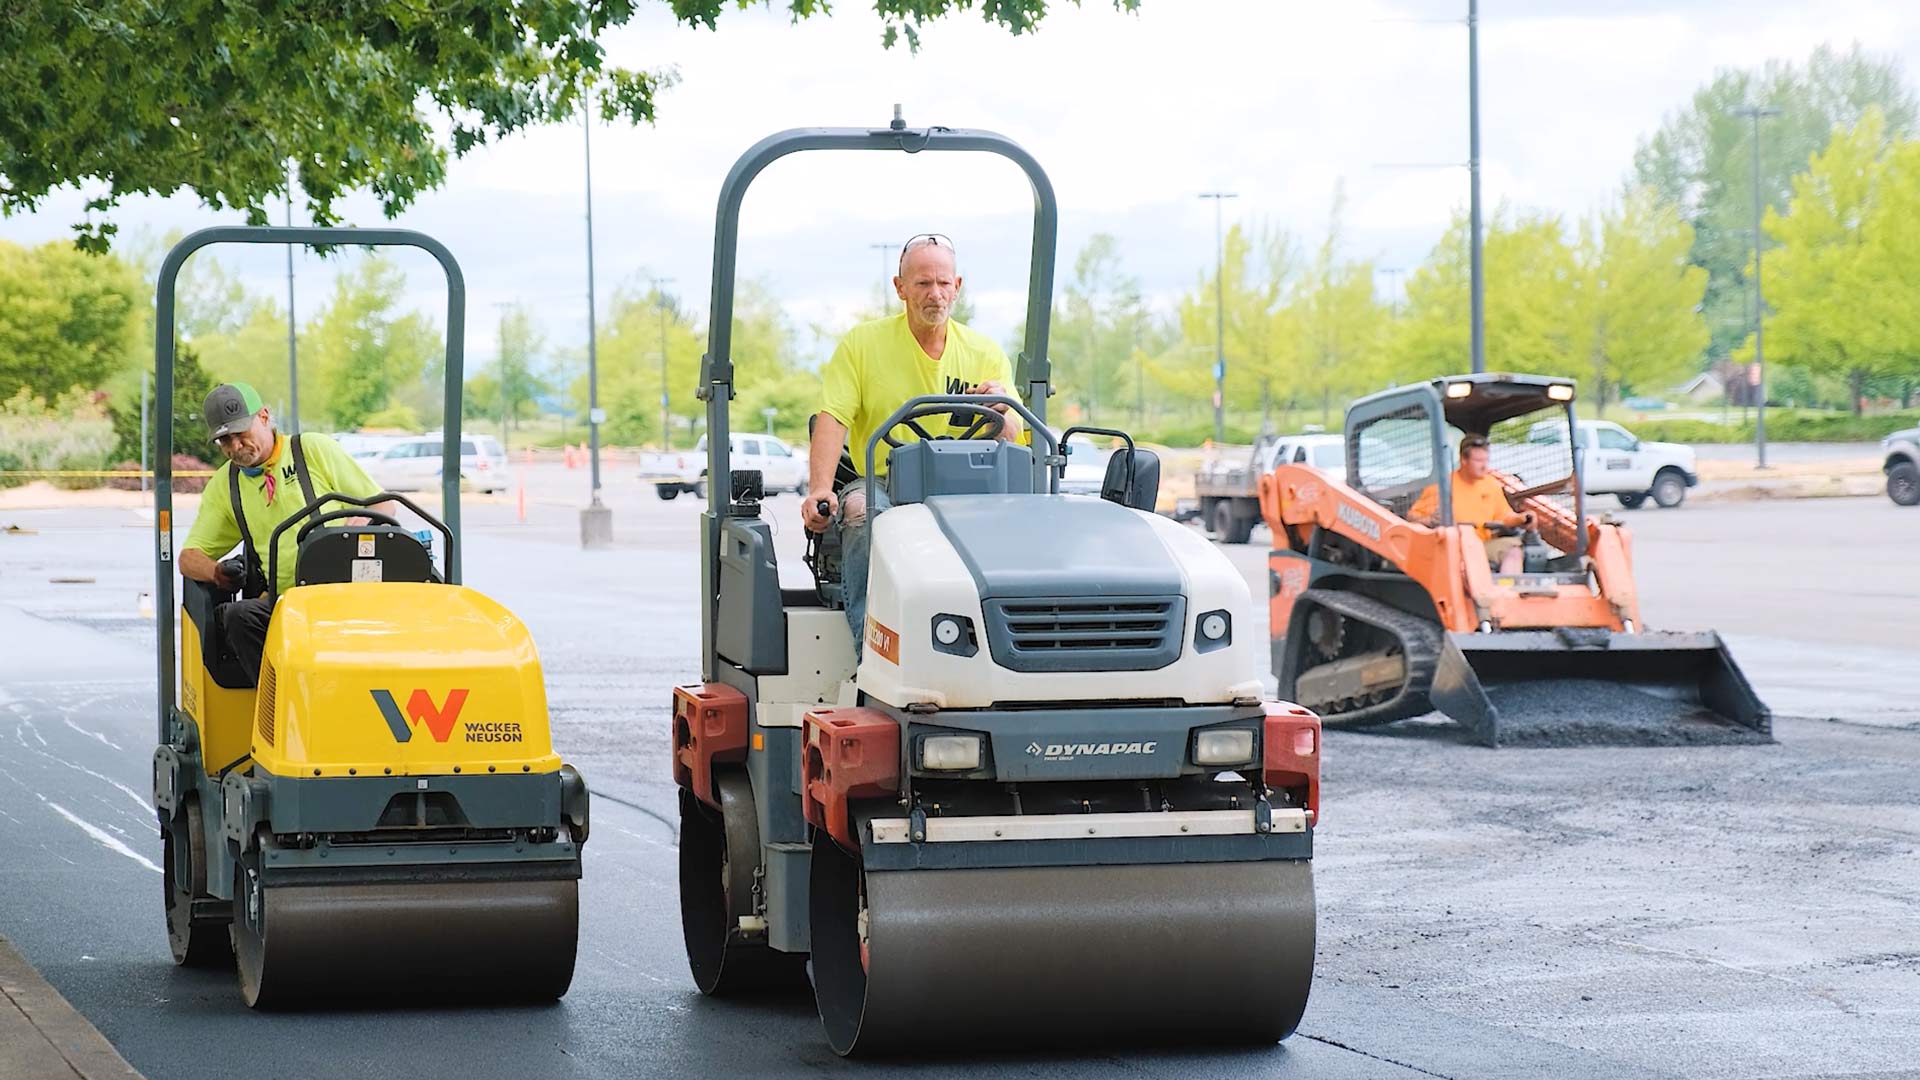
[1700,160]
[218,97]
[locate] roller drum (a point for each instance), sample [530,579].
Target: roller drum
[420,942]
[1199,953]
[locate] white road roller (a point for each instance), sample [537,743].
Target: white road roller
[1050,806]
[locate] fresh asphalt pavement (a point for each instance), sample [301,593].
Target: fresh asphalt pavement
[1715,912]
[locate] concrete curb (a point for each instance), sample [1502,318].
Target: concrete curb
[44,1038]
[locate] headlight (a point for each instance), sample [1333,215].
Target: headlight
[954,634]
[1212,630]
[1224,746]
[950,753]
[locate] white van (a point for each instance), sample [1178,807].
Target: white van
[413,464]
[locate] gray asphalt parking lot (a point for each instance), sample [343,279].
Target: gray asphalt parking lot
[1712,911]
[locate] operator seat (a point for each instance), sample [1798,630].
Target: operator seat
[372,552]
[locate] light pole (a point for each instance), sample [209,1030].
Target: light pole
[1393,287]
[596,520]
[886,262]
[1220,316]
[1473,186]
[666,417]
[1754,113]
[293,359]
[1139,367]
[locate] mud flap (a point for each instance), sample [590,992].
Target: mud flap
[1585,686]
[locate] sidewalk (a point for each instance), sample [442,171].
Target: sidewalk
[42,1037]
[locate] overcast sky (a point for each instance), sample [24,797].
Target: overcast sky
[1132,116]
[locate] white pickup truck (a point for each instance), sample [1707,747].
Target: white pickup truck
[676,471]
[1615,462]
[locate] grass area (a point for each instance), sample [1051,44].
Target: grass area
[1783,425]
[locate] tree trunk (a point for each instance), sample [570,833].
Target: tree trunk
[1857,384]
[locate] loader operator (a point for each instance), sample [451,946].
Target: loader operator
[1479,499]
[267,479]
[879,366]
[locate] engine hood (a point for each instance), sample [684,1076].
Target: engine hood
[1055,545]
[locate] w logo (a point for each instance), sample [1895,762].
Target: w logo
[439,719]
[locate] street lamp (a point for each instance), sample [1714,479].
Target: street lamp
[1393,287]
[1473,186]
[1220,316]
[293,355]
[1139,367]
[769,412]
[660,305]
[886,263]
[596,521]
[1754,113]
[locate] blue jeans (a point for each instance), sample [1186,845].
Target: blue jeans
[856,551]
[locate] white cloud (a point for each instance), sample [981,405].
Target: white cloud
[1131,115]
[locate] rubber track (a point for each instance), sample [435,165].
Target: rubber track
[1420,643]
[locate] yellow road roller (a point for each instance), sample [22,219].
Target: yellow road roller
[1048,805]
[379,814]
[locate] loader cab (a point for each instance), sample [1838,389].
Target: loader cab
[1401,442]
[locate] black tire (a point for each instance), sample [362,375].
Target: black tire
[1669,488]
[1903,484]
[668,492]
[1228,526]
[718,854]
[1632,500]
[201,944]
[699,489]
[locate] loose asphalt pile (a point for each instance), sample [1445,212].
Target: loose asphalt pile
[1595,712]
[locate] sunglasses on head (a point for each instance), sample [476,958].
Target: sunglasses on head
[927,239]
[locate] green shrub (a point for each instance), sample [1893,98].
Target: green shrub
[1783,425]
[74,432]
[1189,434]
[394,415]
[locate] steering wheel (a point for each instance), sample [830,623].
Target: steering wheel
[988,422]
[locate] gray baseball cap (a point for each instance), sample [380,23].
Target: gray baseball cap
[230,408]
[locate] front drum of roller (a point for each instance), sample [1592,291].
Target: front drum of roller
[417,943]
[1196,953]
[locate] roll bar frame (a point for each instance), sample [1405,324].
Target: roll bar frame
[164,350]
[1032,374]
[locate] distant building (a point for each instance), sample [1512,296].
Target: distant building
[1706,387]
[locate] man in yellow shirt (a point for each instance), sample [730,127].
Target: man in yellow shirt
[268,477]
[878,367]
[1480,500]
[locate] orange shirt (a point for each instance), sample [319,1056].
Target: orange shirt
[1481,502]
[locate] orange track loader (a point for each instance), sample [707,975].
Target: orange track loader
[1377,618]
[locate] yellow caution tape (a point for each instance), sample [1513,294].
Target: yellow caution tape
[97,472]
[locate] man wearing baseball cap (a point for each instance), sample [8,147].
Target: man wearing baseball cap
[268,477]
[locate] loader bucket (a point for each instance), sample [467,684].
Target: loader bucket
[1596,687]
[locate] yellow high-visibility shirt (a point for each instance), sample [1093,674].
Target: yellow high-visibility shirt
[879,365]
[273,497]
[1481,502]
